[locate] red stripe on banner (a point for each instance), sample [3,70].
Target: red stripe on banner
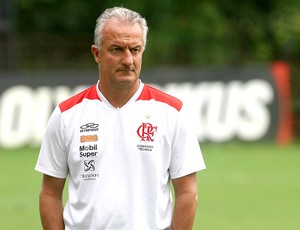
[281,74]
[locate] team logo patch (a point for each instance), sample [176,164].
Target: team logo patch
[146,132]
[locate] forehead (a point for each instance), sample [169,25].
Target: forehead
[120,31]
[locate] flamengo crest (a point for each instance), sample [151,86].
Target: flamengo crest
[146,131]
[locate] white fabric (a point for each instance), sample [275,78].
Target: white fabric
[119,161]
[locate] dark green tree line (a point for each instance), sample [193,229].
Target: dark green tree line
[207,32]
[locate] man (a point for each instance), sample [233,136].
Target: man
[119,142]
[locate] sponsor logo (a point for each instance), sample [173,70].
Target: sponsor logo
[90,168]
[88,154]
[90,176]
[89,127]
[88,138]
[88,151]
[146,132]
[88,147]
[89,165]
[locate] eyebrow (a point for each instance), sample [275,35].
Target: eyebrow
[123,46]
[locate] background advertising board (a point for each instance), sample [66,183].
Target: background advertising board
[246,104]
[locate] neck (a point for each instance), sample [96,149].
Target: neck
[118,97]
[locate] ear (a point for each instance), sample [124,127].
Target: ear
[95,51]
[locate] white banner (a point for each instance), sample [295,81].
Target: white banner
[220,111]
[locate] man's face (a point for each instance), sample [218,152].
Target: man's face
[120,57]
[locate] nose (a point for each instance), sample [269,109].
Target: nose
[127,58]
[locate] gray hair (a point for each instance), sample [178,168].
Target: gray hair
[122,14]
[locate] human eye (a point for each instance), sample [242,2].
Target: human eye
[115,49]
[136,50]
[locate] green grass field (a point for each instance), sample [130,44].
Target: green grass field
[245,187]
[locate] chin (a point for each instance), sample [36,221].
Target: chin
[127,81]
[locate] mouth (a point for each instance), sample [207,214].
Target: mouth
[126,70]
[125,73]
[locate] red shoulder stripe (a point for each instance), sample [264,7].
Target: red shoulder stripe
[150,92]
[89,93]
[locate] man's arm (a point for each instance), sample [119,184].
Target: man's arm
[51,205]
[186,201]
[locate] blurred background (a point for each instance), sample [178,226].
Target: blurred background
[246,185]
[55,35]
